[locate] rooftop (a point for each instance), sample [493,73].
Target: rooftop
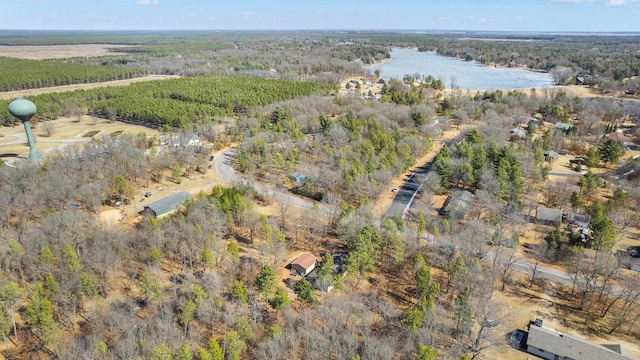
[548,214]
[169,201]
[305,260]
[569,346]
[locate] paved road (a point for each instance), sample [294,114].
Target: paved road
[409,190]
[521,265]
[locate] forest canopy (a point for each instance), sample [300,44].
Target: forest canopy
[174,102]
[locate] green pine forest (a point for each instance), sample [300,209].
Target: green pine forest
[174,102]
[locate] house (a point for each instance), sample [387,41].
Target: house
[184,140]
[165,205]
[303,264]
[535,123]
[578,161]
[548,216]
[552,345]
[517,134]
[563,126]
[550,155]
[580,220]
[617,135]
[457,204]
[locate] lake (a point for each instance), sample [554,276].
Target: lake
[468,75]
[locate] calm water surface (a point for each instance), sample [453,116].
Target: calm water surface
[468,75]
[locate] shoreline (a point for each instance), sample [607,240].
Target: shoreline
[368,69]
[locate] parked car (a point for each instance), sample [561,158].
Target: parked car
[147,194]
[211,158]
[394,190]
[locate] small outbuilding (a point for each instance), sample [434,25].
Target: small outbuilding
[166,205]
[304,264]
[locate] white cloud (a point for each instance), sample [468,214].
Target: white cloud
[148,2]
[624,3]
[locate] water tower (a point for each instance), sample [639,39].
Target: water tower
[23,110]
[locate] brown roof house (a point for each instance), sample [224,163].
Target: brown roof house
[304,264]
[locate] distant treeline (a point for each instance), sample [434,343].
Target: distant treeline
[20,74]
[175,102]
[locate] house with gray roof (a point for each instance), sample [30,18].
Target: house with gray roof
[166,205]
[457,204]
[552,345]
[550,155]
[548,216]
[563,126]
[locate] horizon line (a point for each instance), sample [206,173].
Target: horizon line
[630,32]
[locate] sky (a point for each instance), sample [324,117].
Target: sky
[482,15]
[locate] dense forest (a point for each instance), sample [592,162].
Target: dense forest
[20,74]
[175,103]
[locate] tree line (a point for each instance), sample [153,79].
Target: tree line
[20,74]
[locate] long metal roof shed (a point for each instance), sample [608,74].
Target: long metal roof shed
[167,204]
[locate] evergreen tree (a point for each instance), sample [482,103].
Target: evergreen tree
[235,346]
[427,289]
[239,291]
[214,348]
[304,290]
[610,151]
[266,281]
[279,300]
[184,353]
[462,312]
[424,352]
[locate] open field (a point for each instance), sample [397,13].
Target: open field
[59,51]
[66,131]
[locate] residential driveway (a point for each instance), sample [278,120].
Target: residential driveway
[222,165]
